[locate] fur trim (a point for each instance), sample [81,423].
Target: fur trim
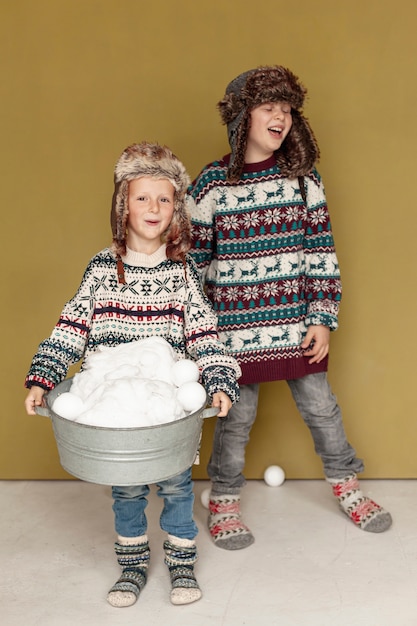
[151,159]
[299,151]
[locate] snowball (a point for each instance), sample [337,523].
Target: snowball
[205,497]
[192,396]
[68,405]
[184,371]
[274,476]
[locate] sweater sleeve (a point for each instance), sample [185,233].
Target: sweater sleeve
[219,371]
[202,207]
[66,344]
[322,284]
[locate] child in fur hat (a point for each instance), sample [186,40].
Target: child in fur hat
[263,241]
[146,269]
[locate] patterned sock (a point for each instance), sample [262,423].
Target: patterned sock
[225,523]
[363,511]
[133,557]
[180,556]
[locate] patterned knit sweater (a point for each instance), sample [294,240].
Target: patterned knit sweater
[161,298]
[269,265]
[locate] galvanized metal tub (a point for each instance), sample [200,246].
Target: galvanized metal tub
[125,456]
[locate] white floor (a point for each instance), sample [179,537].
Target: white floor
[309,565]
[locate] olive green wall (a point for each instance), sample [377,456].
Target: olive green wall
[81,79]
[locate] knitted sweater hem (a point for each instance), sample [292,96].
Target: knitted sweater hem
[269,371]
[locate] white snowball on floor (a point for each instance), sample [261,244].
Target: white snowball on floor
[274,476]
[192,396]
[205,497]
[68,405]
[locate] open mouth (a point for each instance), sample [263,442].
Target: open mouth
[275,130]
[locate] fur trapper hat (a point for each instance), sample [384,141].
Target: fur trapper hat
[299,151]
[151,159]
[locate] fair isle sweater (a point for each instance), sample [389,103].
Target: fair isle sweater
[161,298]
[269,265]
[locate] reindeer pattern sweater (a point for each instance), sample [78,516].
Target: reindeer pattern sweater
[161,298]
[269,265]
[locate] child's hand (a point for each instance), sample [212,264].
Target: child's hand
[316,343]
[33,399]
[222,400]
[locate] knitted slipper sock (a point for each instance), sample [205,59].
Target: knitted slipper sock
[225,523]
[133,557]
[180,556]
[363,511]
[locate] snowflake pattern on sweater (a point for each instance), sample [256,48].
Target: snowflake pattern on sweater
[269,265]
[161,298]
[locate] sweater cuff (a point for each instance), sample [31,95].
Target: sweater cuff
[219,378]
[321,319]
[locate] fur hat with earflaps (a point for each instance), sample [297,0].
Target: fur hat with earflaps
[151,159]
[299,151]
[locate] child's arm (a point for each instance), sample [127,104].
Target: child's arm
[222,400]
[34,399]
[316,343]
[66,344]
[202,230]
[323,288]
[219,370]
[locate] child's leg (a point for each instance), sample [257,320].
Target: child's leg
[180,549]
[225,470]
[321,413]
[132,547]
[133,557]
[180,557]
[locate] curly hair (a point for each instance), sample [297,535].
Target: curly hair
[299,151]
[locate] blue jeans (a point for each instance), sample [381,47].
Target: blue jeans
[177,513]
[320,411]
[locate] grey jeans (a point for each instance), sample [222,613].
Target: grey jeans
[320,411]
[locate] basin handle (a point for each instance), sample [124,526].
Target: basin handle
[42,410]
[210,411]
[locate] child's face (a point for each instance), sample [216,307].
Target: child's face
[150,210]
[270,123]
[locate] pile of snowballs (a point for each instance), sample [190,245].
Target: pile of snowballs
[133,385]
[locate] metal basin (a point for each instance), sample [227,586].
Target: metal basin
[125,456]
